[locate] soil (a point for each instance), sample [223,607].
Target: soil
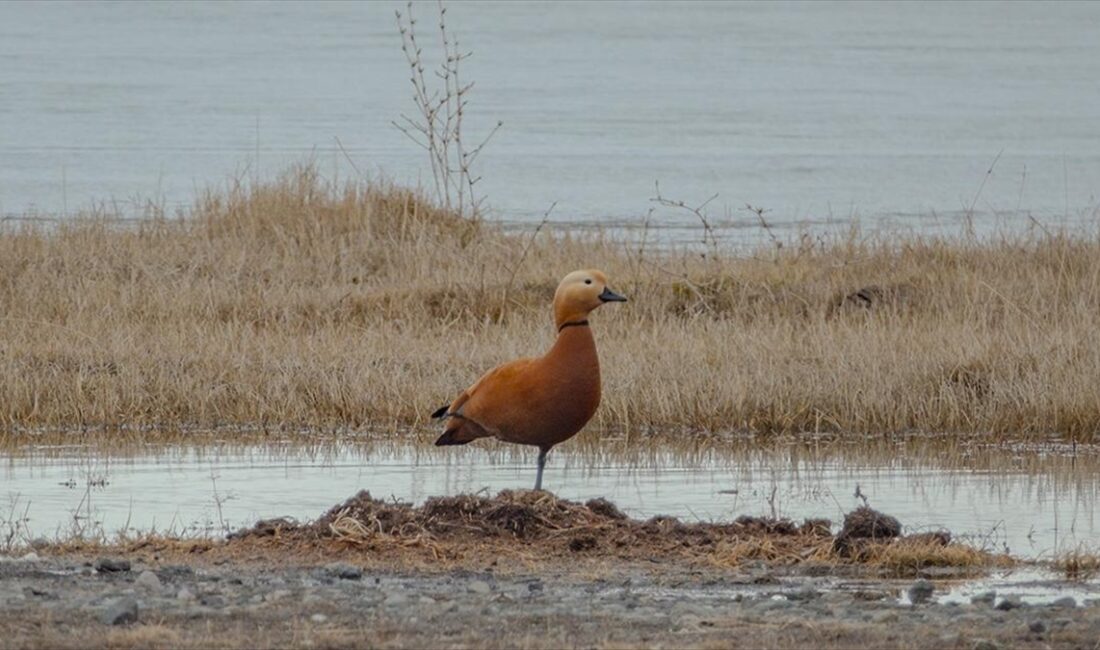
[522,569]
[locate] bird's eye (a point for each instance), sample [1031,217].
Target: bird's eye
[588,281]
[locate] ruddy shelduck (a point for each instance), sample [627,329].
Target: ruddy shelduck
[539,401]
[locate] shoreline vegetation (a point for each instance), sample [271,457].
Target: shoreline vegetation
[305,303]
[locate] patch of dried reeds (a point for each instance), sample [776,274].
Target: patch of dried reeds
[306,303]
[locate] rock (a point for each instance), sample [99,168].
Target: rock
[1007,603]
[427,600]
[214,601]
[984,598]
[921,592]
[121,612]
[276,595]
[318,618]
[112,565]
[344,571]
[479,587]
[1065,602]
[800,595]
[535,586]
[148,580]
[1037,627]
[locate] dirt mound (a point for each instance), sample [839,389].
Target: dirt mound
[538,526]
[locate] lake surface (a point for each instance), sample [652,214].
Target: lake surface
[819,112]
[1030,501]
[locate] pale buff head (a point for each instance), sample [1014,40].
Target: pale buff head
[579,293]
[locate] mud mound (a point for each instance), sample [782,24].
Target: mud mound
[539,526]
[533,517]
[862,525]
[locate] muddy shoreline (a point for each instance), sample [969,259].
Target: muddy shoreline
[77,600]
[526,569]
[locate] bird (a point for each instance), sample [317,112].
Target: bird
[539,401]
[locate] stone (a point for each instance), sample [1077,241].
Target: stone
[1007,603]
[318,618]
[984,598]
[277,595]
[112,565]
[121,612]
[1065,602]
[800,595]
[479,587]
[1037,627]
[185,595]
[344,571]
[921,592]
[148,580]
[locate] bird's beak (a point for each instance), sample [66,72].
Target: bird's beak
[610,296]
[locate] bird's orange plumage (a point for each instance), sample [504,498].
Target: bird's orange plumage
[545,400]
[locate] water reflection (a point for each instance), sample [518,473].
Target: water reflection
[1032,501]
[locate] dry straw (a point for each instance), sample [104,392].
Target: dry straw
[306,303]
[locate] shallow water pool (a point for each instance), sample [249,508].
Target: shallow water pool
[1033,501]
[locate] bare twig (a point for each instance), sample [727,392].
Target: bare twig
[441,109]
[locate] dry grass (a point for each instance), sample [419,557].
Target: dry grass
[303,303]
[1077,564]
[529,531]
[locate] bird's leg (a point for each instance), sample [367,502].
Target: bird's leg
[542,464]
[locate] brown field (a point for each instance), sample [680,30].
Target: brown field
[306,304]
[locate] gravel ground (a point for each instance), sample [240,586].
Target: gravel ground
[75,601]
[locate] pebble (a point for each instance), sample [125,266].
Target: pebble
[344,571]
[1037,627]
[1066,602]
[112,565]
[121,612]
[809,593]
[185,595]
[318,618]
[148,580]
[1009,602]
[479,587]
[921,592]
[276,595]
[984,598]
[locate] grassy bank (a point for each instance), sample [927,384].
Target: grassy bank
[304,304]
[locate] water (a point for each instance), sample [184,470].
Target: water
[1032,502]
[819,112]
